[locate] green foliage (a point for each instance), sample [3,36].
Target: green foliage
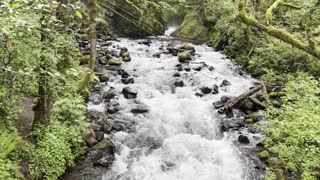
[191,28]
[59,143]
[8,166]
[293,133]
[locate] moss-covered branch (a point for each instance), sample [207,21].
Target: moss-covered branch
[277,33]
[275,6]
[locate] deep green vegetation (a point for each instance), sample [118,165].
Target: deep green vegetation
[275,41]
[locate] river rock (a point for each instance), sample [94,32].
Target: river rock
[187,69]
[114,62]
[126,57]
[112,109]
[225,83]
[140,108]
[111,93]
[124,74]
[215,89]
[225,99]
[180,69]
[157,55]
[179,84]
[127,80]
[184,57]
[108,56]
[218,104]
[104,78]
[123,50]
[199,94]
[197,68]
[103,61]
[205,90]
[99,135]
[177,75]
[103,153]
[145,42]
[187,48]
[243,139]
[129,93]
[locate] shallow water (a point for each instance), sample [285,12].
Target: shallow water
[178,139]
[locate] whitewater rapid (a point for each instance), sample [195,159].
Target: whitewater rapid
[178,139]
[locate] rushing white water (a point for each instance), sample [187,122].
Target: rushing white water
[177,139]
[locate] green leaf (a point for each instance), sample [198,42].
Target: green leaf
[78,13]
[15,5]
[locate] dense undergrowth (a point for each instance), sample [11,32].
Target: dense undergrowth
[48,149]
[292,143]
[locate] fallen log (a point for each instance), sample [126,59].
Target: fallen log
[235,101]
[257,102]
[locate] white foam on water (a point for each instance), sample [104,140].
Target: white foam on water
[177,139]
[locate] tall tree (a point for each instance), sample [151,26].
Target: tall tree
[92,4]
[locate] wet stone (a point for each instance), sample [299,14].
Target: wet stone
[129,93]
[205,90]
[111,93]
[177,75]
[179,84]
[225,99]
[187,69]
[124,74]
[112,110]
[179,69]
[140,108]
[127,81]
[243,139]
[197,68]
[225,83]
[211,68]
[215,89]
[199,94]
[218,104]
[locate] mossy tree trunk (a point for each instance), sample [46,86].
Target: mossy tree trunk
[42,108]
[83,84]
[277,33]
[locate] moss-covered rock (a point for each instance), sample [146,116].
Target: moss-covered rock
[126,57]
[264,155]
[103,144]
[252,117]
[185,56]
[104,78]
[187,48]
[114,62]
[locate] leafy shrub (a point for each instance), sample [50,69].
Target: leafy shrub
[60,142]
[293,134]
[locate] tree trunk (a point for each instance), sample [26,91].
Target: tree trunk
[83,84]
[42,108]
